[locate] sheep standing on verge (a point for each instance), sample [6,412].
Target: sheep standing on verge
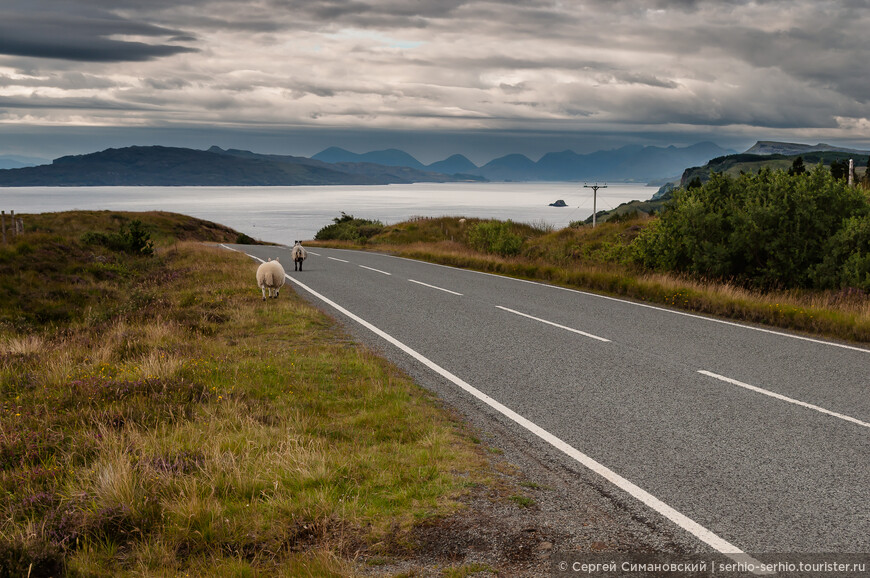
[270,275]
[299,255]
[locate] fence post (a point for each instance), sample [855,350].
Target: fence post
[3,219]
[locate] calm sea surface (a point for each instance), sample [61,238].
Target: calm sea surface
[283,214]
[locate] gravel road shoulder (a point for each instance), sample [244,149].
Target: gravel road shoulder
[541,504]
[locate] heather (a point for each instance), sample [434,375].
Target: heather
[171,422]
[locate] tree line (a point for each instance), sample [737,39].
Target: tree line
[802,228]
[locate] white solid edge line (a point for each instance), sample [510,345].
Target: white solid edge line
[434,287]
[784,398]
[375,270]
[648,306]
[335,259]
[719,544]
[553,324]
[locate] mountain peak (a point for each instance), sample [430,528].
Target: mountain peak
[454,164]
[387,157]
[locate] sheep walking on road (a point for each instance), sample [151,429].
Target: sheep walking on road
[299,255]
[270,275]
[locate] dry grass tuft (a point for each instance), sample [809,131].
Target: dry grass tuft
[598,260]
[181,427]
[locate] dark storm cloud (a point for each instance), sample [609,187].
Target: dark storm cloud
[75,31]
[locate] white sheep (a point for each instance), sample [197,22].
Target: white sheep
[270,275]
[299,255]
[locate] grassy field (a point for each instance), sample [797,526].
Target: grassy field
[158,418]
[597,260]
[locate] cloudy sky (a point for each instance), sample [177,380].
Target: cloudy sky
[478,77]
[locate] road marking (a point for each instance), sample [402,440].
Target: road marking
[375,270]
[434,287]
[783,398]
[553,324]
[341,260]
[708,537]
[315,254]
[648,306]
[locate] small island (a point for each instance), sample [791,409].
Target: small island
[559,203]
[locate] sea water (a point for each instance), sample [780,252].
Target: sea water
[284,214]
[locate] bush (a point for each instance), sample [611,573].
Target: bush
[133,238]
[495,237]
[767,230]
[847,257]
[349,228]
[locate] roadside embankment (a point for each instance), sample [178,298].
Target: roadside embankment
[598,259]
[158,418]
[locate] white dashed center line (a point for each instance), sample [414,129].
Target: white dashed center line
[375,270]
[554,324]
[783,398]
[434,287]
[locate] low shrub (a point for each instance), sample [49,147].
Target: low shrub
[349,228]
[497,237]
[133,238]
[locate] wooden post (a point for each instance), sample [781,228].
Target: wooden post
[12,213]
[3,219]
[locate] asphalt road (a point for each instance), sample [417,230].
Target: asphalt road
[768,450]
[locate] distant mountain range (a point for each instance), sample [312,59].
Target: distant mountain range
[629,163]
[168,166]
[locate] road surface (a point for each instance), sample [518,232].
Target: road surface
[750,440]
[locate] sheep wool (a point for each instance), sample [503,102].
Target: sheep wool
[270,276]
[299,255]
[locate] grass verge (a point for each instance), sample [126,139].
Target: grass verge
[171,422]
[596,260]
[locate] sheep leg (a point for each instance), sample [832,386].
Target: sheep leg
[264,293]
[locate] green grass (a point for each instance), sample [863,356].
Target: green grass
[598,259]
[523,501]
[174,423]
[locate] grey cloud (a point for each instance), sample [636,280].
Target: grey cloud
[643,78]
[66,80]
[738,65]
[167,83]
[69,103]
[77,32]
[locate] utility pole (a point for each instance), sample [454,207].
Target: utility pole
[594,188]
